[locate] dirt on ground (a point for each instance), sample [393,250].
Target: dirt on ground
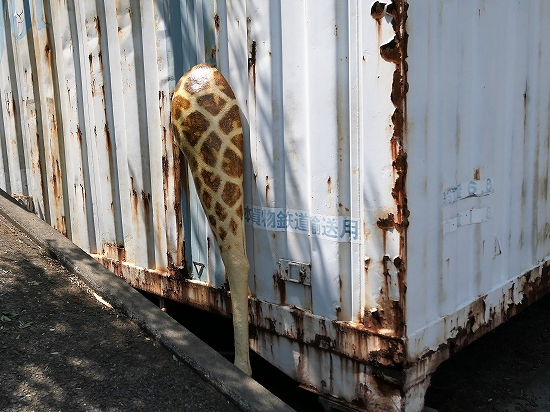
[61,349]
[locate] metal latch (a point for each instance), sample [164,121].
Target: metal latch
[295,272]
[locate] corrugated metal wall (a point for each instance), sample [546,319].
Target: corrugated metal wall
[85,100]
[478,111]
[85,96]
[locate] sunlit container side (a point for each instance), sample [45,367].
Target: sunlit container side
[478,136]
[396,167]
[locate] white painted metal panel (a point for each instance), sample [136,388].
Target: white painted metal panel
[478,122]
[314,94]
[348,289]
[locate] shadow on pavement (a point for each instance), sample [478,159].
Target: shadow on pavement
[61,349]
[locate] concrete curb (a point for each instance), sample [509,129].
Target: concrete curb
[248,394]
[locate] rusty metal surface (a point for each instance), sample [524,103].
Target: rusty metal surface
[365,126]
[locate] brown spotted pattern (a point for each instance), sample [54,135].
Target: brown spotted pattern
[207,123]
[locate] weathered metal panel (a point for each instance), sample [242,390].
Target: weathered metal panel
[478,136]
[396,171]
[105,171]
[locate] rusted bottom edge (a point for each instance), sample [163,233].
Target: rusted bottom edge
[169,286]
[340,361]
[478,318]
[385,353]
[344,382]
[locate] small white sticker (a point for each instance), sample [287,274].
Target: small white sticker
[467,189]
[468,217]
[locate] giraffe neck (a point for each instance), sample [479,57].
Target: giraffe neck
[207,123]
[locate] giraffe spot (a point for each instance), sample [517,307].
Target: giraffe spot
[223,233]
[207,200]
[194,126]
[238,142]
[179,104]
[231,193]
[198,184]
[233,226]
[212,103]
[211,180]
[212,220]
[231,120]
[193,164]
[210,149]
[222,84]
[239,212]
[232,164]
[220,212]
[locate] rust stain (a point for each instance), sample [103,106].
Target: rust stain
[389,313]
[217,22]
[107,137]
[79,135]
[134,195]
[535,286]
[162,100]
[352,341]
[334,337]
[173,174]
[377,10]
[399,193]
[216,301]
[14,107]
[114,251]
[280,286]
[329,185]
[386,223]
[477,174]
[97,26]
[390,52]
[267,187]
[341,206]
[252,62]
[146,199]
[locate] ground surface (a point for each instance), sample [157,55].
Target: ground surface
[505,370]
[63,350]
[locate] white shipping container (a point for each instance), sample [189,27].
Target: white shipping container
[396,167]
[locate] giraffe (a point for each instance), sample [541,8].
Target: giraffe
[207,124]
